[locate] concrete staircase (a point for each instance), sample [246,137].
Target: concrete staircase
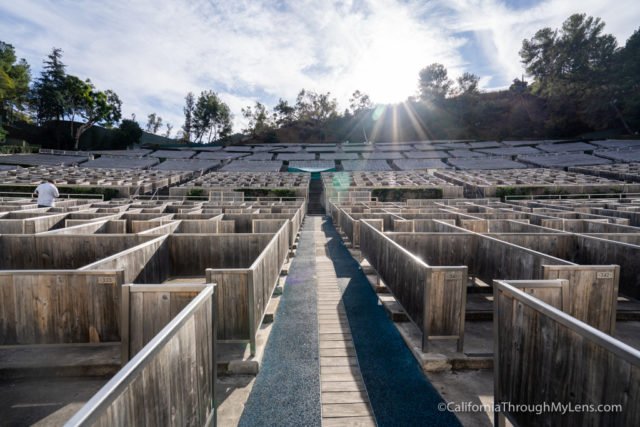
[316,193]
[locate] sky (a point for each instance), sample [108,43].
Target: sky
[153,52]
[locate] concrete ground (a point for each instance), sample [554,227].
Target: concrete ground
[628,333]
[44,401]
[469,388]
[232,394]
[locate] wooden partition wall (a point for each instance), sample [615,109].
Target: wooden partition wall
[243,293]
[146,309]
[170,381]
[59,306]
[543,356]
[433,297]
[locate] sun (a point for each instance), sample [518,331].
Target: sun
[388,66]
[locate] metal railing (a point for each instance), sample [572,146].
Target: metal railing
[91,412]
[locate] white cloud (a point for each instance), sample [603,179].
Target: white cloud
[153,52]
[500,29]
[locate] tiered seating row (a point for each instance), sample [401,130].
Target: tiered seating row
[499,182]
[126,182]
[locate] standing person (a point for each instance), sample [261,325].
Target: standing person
[47,192]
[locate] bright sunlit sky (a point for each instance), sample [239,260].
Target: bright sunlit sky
[153,52]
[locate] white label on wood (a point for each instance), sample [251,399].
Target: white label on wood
[451,275]
[604,275]
[106,280]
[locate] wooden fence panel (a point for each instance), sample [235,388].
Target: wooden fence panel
[433,297]
[497,259]
[590,293]
[592,250]
[203,226]
[548,291]
[53,252]
[544,356]
[402,225]
[232,299]
[264,274]
[171,381]
[190,253]
[266,225]
[55,307]
[147,309]
[243,293]
[145,263]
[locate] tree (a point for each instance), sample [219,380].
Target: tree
[359,101]
[626,103]
[14,83]
[48,99]
[518,86]
[169,127]
[283,113]
[154,122]
[315,107]
[258,119]
[211,118]
[97,108]
[468,84]
[189,107]
[434,84]
[74,96]
[222,125]
[539,54]
[577,53]
[572,69]
[129,133]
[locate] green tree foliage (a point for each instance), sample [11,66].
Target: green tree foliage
[14,83]
[129,133]
[577,53]
[434,83]
[315,107]
[97,107]
[211,118]
[154,123]
[572,69]
[188,110]
[519,86]
[627,100]
[359,101]
[258,119]
[283,113]
[74,96]
[55,96]
[468,84]
[48,92]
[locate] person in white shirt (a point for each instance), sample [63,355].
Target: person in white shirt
[46,192]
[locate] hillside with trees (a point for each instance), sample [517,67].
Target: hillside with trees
[580,81]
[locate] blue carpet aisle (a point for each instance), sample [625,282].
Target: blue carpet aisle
[399,393]
[287,389]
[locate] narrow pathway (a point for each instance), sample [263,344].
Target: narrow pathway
[398,391]
[287,389]
[333,357]
[344,398]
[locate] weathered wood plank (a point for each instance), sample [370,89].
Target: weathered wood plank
[344,397]
[335,410]
[349,422]
[544,355]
